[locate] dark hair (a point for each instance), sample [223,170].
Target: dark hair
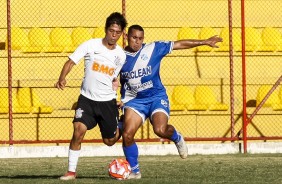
[136,27]
[116,18]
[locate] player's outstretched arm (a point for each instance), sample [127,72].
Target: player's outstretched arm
[62,79]
[190,43]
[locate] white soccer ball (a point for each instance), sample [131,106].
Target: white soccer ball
[119,169]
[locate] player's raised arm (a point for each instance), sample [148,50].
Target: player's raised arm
[62,79]
[190,43]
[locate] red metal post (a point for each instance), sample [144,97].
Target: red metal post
[10,72]
[244,76]
[231,69]
[124,14]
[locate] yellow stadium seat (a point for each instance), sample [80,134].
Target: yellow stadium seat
[187,33]
[271,39]
[174,106]
[205,33]
[24,99]
[183,95]
[38,105]
[4,102]
[237,39]
[204,95]
[80,35]
[253,39]
[38,40]
[30,101]
[60,40]
[99,32]
[19,38]
[272,101]
[224,34]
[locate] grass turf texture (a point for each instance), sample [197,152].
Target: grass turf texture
[238,168]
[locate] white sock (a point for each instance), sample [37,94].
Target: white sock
[73,159]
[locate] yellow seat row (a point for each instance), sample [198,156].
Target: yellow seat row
[57,40]
[24,101]
[274,100]
[203,98]
[60,40]
[269,39]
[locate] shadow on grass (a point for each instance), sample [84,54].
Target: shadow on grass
[50,177]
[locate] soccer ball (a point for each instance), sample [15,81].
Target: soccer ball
[119,169]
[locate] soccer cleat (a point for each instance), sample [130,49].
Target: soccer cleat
[68,176]
[182,148]
[134,176]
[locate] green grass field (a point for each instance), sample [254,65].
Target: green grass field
[238,168]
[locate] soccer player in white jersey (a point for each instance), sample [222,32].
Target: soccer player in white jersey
[143,94]
[103,59]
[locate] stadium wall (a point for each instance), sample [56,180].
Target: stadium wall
[144,149]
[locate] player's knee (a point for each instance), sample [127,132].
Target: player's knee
[127,137]
[109,142]
[78,136]
[79,130]
[159,131]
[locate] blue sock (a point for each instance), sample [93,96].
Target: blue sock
[175,137]
[131,154]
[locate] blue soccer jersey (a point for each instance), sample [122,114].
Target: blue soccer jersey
[140,75]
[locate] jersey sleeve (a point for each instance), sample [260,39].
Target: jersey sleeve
[164,47]
[80,52]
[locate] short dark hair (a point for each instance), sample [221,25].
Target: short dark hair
[136,27]
[116,18]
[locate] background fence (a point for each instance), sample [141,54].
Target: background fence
[213,91]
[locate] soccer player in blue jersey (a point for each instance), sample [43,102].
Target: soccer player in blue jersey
[144,96]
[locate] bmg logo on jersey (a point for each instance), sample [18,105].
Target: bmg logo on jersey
[103,69]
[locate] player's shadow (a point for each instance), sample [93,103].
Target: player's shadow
[51,177]
[28,177]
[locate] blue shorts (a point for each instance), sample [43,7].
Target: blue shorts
[146,107]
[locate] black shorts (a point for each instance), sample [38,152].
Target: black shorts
[91,113]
